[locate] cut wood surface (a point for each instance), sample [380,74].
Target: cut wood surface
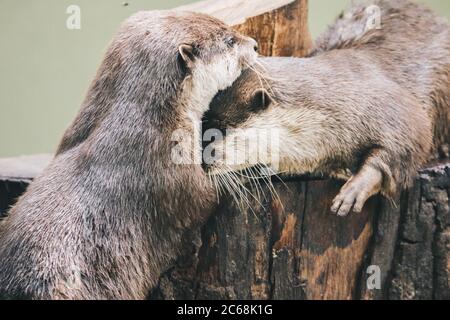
[279,26]
[24,167]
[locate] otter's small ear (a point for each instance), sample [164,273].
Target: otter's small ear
[186,52]
[261,100]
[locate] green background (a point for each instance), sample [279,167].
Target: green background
[45,68]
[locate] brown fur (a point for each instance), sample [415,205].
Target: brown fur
[412,48]
[363,100]
[108,214]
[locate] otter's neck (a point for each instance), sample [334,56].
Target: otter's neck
[195,100]
[196,97]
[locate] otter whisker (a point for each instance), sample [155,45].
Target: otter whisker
[245,189]
[258,180]
[226,187]
[253,181]
[236,193]
[223,178]
[216,186]
[276,175]
[243,193]
[262,77]
[220,187]
[263,64]
[268,181]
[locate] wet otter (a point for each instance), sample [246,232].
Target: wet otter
[107,215]
[365,100]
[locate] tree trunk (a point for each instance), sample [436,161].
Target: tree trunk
[304,252]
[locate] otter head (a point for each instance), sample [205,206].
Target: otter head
[211,54]
[235,126]
[166,64]
[182,55]
[211,51]
[257,124]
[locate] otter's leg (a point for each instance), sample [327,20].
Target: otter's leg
[360,187]
[377,173]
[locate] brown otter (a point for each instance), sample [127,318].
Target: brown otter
[108,214]
[365,100]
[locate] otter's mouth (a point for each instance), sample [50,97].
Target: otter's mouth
[247,186]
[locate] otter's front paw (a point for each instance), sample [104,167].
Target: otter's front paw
[349,197]
[357,190]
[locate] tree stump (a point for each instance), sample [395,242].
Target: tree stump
[302,251]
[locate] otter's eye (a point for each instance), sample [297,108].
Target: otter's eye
[230,42]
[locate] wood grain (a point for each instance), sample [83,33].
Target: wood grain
[279,26]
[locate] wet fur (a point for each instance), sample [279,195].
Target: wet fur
[107,216]
[412,48]
[363,99]
[323,130]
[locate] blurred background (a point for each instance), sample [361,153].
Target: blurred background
[45,68]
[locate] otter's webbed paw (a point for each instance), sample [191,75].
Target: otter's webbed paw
[354,194]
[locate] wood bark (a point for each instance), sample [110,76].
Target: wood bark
[302,251]
[299,250]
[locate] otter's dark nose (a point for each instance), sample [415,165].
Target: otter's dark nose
[253,43]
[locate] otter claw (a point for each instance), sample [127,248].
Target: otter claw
[336,205]
[349,199]
[353,196]
[342,205]
[345,200]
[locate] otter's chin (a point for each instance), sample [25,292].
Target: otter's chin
[245,170]
[213,170]
[248,61]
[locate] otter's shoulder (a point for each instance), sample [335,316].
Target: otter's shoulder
[372,21]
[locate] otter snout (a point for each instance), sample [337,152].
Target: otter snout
[251,53]
[253,44]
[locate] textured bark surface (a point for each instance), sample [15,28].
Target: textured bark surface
[302,251]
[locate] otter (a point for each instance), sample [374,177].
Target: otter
[107,216]
[360,107]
